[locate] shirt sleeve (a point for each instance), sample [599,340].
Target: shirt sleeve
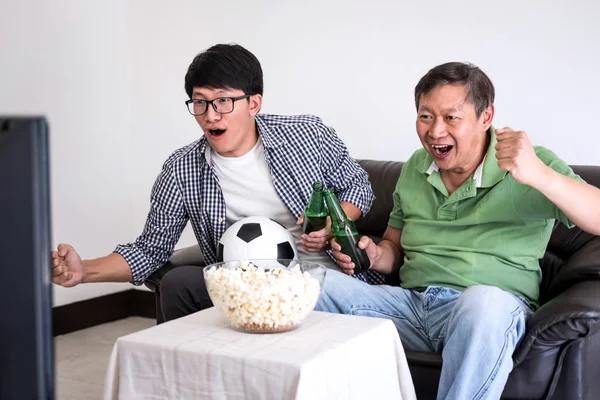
[165,223]
[397,214]
[341,172]
[562,168]
[535,203]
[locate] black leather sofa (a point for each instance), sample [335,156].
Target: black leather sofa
[559,358]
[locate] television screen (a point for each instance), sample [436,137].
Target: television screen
[26,342]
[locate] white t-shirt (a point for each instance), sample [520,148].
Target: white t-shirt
[248,191]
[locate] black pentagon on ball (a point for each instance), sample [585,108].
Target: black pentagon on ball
[285,251]
[220,252]
[249,232]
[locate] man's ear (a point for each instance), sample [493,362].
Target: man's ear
[486,117]
[255,104]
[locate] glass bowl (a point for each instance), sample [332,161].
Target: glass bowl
[264,296]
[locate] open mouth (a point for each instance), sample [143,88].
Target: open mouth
[441,150]
[216,132]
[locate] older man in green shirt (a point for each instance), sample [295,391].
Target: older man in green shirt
[473,213]
[491,230]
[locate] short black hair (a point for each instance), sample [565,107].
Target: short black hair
[225,66]
[480,90]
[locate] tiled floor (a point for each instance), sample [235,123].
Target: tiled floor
[82,357]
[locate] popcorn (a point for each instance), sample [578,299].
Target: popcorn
[255,299]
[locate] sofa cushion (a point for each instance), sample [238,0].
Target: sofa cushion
[383,176]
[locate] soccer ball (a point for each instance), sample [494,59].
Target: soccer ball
[257,238]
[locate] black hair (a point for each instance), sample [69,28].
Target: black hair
[480,90]
[225,66]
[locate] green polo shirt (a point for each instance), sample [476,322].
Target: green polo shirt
[491,230]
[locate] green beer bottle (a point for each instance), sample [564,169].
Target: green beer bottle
[315,214]
[345,233]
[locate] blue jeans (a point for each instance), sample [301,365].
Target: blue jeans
[476,331]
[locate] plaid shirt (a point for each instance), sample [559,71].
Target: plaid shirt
[298,149]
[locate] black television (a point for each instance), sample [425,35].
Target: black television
[26,341]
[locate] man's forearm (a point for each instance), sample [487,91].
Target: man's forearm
[112,268]
[351,210]
[389,259]
[578,200]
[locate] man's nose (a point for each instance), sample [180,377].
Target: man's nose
[211,115]
[437,129]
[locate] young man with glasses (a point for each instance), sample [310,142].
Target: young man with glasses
[246,164]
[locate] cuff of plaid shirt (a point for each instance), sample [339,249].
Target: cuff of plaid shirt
[361,197]
[141,267]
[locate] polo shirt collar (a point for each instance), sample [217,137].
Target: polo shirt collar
[492,173]
[487,174]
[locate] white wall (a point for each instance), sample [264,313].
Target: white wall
[355,64]
[69,61]
[110,77]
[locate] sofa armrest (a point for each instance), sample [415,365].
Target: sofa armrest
[573,314]
[191,255]
[582,265]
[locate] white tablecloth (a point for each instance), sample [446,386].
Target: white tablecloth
[330,356]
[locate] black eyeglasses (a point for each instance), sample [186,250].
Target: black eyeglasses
[222,105]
